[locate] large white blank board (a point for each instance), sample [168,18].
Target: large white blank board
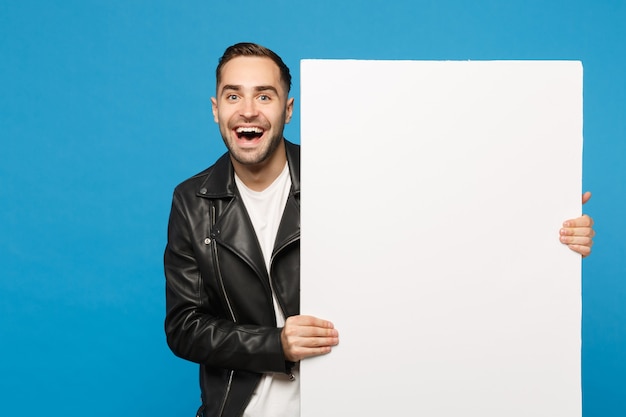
[432,197]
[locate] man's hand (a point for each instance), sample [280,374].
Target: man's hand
[578,233]
[305,336]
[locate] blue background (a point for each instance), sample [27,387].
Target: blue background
[104,108]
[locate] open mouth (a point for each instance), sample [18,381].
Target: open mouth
[249,133]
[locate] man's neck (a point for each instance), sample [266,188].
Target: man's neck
[259,177]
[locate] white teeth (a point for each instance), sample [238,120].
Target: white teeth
[251,129]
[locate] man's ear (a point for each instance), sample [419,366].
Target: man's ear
[214,108]
[289,110]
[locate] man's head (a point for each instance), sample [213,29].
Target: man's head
[252,49]
[251,106]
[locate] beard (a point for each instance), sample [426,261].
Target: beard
[252,156]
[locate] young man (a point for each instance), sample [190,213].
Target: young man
[232,261]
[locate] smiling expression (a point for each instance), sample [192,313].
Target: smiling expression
[252,107]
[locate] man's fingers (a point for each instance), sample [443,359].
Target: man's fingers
[292,330]
[311,321]
[305,336]
[298,348]
[578,231]
[577,240]
[582,221]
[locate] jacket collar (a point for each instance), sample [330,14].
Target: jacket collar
[220,181]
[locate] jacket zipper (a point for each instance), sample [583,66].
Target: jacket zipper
[292,377]
[280,302]
[228,304]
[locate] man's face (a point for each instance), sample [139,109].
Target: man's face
[251,108]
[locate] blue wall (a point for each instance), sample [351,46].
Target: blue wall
[104,108]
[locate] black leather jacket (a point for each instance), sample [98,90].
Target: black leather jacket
[219,303]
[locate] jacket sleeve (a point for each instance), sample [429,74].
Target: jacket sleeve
[195,334]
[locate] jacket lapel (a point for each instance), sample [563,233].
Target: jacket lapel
[289,228]
[233,228]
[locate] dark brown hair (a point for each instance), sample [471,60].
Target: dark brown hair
[252,49]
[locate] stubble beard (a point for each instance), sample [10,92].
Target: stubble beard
[255,156]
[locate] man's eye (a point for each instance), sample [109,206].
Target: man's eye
[264,97]
[231,97]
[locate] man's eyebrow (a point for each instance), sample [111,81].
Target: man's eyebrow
[231,87]
[266,88]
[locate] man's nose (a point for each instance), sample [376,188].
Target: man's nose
[248,108]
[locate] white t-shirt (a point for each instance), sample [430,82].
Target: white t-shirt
[277,394]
